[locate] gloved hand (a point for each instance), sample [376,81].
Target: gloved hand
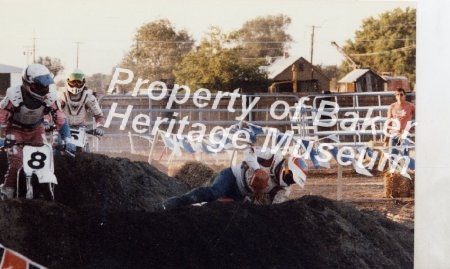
[258,198]
[99,131]
[10,141]
[70,147]
[281,196]
[48,127]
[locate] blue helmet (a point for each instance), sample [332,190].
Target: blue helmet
[36,80]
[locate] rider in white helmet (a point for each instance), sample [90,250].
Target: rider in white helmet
[22,113]
[285,171]
[237,182]
[78,102]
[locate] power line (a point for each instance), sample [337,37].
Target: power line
[384,52]
[380,39]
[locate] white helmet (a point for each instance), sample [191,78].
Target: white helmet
[36,81]
[75,81]
[265,158]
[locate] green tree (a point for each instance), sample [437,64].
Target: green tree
[386,43]
[158,48]
[54,65]
[263,36]
[98,82]
[215,67]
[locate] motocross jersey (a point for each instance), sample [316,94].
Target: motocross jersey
[279,170]
[26,112]
[244,172]
[77,108]
[277,166]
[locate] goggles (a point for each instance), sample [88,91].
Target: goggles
[75,83]
[39,89]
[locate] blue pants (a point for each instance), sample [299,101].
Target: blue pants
[224,185]
[64,132]
[396,142]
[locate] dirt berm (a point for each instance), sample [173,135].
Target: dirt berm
[105,216]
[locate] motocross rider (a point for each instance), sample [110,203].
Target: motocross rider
[22,113]
[284,172]
[78,102]
[236,182]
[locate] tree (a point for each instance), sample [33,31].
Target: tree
[214,67]
[53,64]
[98,82]
[332,72]
[387,44]
[157,50]
[227,62]
[263,36]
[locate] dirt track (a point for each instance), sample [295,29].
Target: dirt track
[104,217]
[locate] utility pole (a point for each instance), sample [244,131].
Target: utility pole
[34,47]
[78,52]
[28,50]
[312,50]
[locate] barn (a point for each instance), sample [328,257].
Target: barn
[9,76]
[361,80]
[295,74]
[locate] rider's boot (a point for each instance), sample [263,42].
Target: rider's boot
[6,192]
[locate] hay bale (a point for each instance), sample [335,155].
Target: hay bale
[195,174]
[396,185]
[388,185]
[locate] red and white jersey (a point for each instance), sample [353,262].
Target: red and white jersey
[29,114]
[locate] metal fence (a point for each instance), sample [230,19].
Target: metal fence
[352,122]
[300,119]
[224,113]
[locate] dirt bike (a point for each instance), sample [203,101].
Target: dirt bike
[80,138]
[36,178]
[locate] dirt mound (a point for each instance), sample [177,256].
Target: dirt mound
[104,217]
[111,183]
[195,174]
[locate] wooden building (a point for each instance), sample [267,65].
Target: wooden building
[295,74]
[361,80]
[9,76]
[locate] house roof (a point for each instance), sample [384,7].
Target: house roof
[279,65]
[9,69]
[282,63]
[354,75]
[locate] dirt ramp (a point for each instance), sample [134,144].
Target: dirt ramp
[45,232]
[111,183]
[312,232]
[104,217]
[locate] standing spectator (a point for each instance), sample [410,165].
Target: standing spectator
[404,112]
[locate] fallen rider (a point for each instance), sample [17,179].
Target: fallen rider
[262,178]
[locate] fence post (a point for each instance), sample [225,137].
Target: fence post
[339,182]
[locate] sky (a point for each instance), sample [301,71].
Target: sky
[103,31]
